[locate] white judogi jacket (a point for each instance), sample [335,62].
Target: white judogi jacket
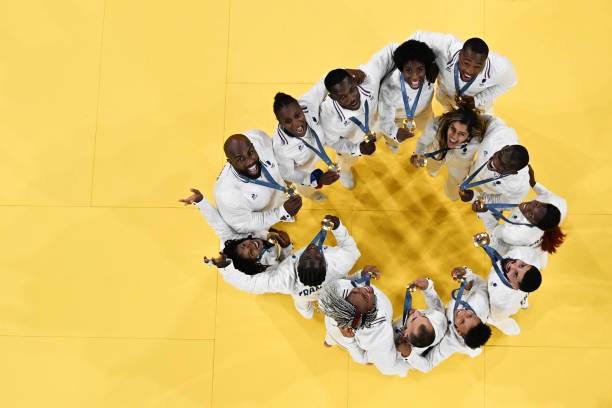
[478,299]
[372,344]
[435,314]
[295,159]
[506,236]
[392,110]
[458,158]
[341,133]
[284,277]
[271,257]
[504,301]
[496,77]
[248,207]
[510,189]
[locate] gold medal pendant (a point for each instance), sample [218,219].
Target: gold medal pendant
[327,224]
[409,124]
[369,137]
[334,167]
[291,190]
[481,239]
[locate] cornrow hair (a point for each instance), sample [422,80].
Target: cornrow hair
[245,266]
[280,101]
[342,311]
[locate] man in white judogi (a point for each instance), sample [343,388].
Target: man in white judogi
[359,319]
[488,74]
[502,159]
[303,273]
[422,329]
[467,331]
[343,113]
[244,205]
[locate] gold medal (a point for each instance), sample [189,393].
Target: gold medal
[409,124]
[481,239]
[291,190]
[327,224]
[369,137]
[412,288]
[334,167]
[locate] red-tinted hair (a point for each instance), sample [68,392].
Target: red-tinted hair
[552,240]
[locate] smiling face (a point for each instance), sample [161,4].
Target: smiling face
[242,156]
[249,249]
[346,94]
[465,320]
[533,210]
[470,64]
[414,321]
[292,119]
[515,270]
[414,73]
[362,298]
[457,134]
[500,162]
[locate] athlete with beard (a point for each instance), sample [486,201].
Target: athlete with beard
[248,192]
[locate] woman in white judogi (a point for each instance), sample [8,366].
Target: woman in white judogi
[454,137]
[406,93]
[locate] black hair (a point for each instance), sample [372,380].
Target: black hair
[551,219]
[334,77]
[477,336]
[280,101]
[531,280]
[246,266]
[423,337]
[311,273]
[477,45]
[519,157]
[413,50]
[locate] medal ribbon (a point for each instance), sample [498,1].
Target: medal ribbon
[410,111]
[458,300]
[271,183]
[321,151]
[495,258]
[467,185]
[365,129]
[498,214]
[466,86]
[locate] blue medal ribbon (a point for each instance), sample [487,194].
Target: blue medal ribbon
[364,279]
[364,128]
[466,86]
[407,305]
[410,111]
[458,300]
[498,214]
[467,185]
[495,258]
[321,151]
[271,183]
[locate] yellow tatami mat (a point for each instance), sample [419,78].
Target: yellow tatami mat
[111,110]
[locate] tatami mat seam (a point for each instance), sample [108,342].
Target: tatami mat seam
[98,97]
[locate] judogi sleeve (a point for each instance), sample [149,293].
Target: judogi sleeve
[427,137]
[341,258]
[440,43]
[212,217]
[505,76]
[278,279]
